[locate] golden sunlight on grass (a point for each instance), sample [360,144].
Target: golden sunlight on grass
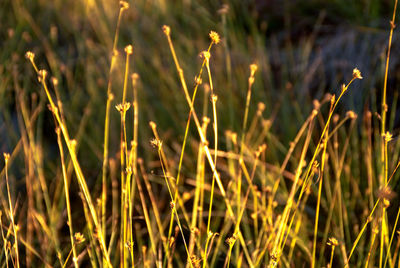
[166,147]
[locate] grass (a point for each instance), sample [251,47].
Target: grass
[216,154]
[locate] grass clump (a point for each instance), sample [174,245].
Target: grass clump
[233,169]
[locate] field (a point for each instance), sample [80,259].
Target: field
[199,133]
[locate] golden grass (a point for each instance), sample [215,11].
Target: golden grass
[259,214]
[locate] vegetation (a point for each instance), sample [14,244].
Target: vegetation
[174,133]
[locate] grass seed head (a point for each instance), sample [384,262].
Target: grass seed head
[206,120]
[54,81]
[344,88]
[351,114]
[30,55]
[386,203]
[316,104]
[129,245]
[386,193]
[195,231]
[335,118]
[195,261]
[52,109]
[314,113]
[231,240]
[155,143]
[224,9]
[387,136]
[123,5]
[171,241]
[123,107]
[42,75]
[129,49]
[214,98]
[166,29]
[357,74]
[214,37]
[206,55]
[261,106]
[135,78]
[210,234]
[79,238]
[153,125]
[332,242]
[253,69]
[198,80]
[262,147]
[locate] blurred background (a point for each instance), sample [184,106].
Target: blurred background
[303,48]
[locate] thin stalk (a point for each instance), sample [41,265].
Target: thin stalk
[38,163]
[67,200]
[4,240]
[204,141]
[253,69]
[374,233]
[278,244]
[286,161]
[215,123]
[369,219]
[91,250]
[134,158]
[81,180]
[110,97]
[159,145]
[125,178]
[396,250]
[14,227]
[122,108]
[168,173]
[323,160]
[384,160]
[147,218]
[384,227]
[282,225]
[198,82]
[198,197]
[331,258]
[153,203]
[384,105]
[231,242]
[391,237]
[250,188]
